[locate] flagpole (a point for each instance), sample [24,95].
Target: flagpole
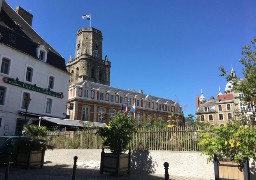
[91,21]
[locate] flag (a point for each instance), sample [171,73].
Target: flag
[86,16]
[133,108]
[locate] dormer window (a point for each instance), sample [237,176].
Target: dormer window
[41,53]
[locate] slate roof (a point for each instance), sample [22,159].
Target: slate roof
[210,105]
[116,90]
[16,33]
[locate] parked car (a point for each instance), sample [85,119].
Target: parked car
[8,147]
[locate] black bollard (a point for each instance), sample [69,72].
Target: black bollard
[74,168]
[7,169]
[166,174]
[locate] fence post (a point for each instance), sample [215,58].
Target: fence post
[74,168]
[246,169]
[166,174]
[216,167]
[7,169]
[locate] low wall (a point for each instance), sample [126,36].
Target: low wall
[185,164]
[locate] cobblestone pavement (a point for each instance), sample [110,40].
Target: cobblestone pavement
[64,172]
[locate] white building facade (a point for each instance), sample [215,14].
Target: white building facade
[33,78]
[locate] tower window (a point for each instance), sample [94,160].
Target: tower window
[100,76]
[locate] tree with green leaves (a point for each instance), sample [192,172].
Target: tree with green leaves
[246,85]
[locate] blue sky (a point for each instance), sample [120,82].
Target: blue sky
[167,48]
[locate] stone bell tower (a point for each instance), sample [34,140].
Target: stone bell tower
[88,63]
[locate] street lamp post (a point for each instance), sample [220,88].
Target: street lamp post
[26,103]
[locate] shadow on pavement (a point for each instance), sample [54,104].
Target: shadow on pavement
[64,172]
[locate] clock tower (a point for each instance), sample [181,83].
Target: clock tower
[88,63]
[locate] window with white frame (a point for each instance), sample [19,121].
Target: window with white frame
[112,112]
[229,116]
[210,117]
[121,100]
[129,101]
[48,105]
[228,107]
[149,104]
[86,93]
[2,94]
[41,52]
[111,98]
[202,117]
[160,107]
[29,74]
[51,82]
[5,66]
[153,105]
[220,116]
[26,96]
[220,108]
[41,55]
[85,113]
[70,92]
[1,121]
[137,102]
[169,109]
[92,94]
[101,96]
[101,112]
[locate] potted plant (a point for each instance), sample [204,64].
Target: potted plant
[230,145]
[116,137]
[31,150]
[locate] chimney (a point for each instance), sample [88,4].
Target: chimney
[24,14]
[1,3]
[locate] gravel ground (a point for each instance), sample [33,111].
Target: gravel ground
[56,168]
[52,171]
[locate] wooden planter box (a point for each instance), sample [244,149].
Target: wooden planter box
[225,170]
[115,163]
[30,158]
